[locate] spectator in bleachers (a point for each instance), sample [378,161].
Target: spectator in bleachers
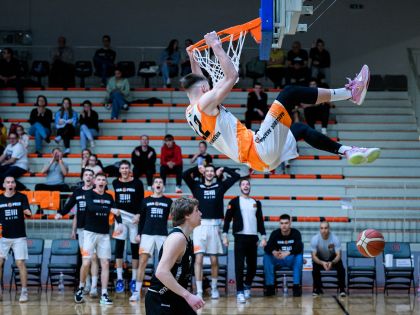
[118,93]
[10,73]
[104,60]
[56,170]
[86,153]
[14,160]
[320,112]
[23,136]
[297,62]
[202,159]
[40,119]
[93,164]
[3,136]
[186,64]
[284,248]
[143,159]
[326,255]
[320,62]
[65,123]
[169,62]
[276,68]
[89,125]
[256,105]
[171,161]
[62,67]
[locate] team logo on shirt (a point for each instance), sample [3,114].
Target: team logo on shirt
[9,204]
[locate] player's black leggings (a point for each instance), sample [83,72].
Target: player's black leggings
[119,250]
[292,96]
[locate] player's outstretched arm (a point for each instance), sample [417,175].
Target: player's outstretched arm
[195,67]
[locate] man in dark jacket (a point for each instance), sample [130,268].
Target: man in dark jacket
[10,73]
[284,248]
[143,158]
[248,221]
[256,105]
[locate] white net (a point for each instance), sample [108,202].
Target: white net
[209,62]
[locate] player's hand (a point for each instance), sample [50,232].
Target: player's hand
[149,156]
[219,171]
[136,219]
[58,216]
[138,238]
[118,229]
[73,235]
[212,39]
[263,243]
[27,213]
[225,241]
[194,301]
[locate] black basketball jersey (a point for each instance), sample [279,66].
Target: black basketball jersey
[181,271]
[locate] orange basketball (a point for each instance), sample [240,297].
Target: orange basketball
[370,243]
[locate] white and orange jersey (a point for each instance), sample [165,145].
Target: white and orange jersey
[263,151]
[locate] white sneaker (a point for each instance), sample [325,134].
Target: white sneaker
[357,156]
[215,294]
[200,294]
[57,139]
[67,151]
[247,293]
[86,289]
[93,292]
[240,298]
[135,297]
[23,297]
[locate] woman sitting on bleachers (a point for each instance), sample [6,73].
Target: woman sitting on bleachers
[118,94]
[169,62]
[89,125]
[65,123]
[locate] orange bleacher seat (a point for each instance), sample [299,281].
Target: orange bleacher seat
[42,198]
[54,200]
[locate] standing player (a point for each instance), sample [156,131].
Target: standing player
[206,237]
[276,139]
[14,207]
[153,229]
[129,194]
[79,198]
[168,292]
[99,208]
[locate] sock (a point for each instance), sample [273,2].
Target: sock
[94,281]
[119,273]
[138,286]
[81,285]
[104,291]
[340,94]
[214,283]
[343,149]
[134,274]
[199,285]
[88,281]
[24,290]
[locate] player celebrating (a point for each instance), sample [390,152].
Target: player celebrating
[206,237]
[153,229]
[79,198]
[14,207]
[276,139]
[168,292]
[129,194]
[99,207]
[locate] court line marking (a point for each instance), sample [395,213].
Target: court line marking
[341,305]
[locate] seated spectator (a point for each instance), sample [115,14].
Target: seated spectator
[326,255]
[297,62]
[23,136]
[10,75]
[256,105]
[65,123]
[62,67]
[284,248]
[169,62]
[171,161]
[276,68]
[3,136]
[321,112]
[143,159]
[40,119]
[14,160]
[104,60]
[186,64]
[118,94]
[86,153]
[320,62]
[56,170]
[89,125]
[93,164]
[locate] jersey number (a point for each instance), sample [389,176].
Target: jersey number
[200,132]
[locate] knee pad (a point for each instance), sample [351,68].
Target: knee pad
[119,249]
[134,251]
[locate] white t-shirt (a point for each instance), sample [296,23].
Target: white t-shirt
[325,249]
[17,151]
[248,208]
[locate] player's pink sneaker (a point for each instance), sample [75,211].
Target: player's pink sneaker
[356,156]
[359,85]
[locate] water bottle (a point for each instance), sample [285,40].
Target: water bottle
[231,286]
[61,283]
[285,288]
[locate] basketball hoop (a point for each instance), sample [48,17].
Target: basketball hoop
[235,37]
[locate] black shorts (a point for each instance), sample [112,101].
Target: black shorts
[167,304]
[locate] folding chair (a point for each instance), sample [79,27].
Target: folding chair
[361,270]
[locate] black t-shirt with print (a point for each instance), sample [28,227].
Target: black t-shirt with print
[154,216]
[12,217]
[128,195]
[98,209]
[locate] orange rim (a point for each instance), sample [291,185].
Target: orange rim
[254,27]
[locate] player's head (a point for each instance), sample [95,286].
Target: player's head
[209,172]
[285,223]
[324,229]
[100,181]
[87,176]
[144,140]
[202,147]
[245,186]
[125,168]
[13,137]
[195,84]
[185,210]
[158,186]
[169,140]
[9,183]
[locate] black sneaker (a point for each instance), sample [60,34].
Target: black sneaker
[78,296]
[269,290]
[105,300]
[317,292]
[297,290]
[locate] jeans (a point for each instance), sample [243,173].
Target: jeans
[118,101]
[168,71]
[320,112]
[86,134]
[67,133]
[148,170]
[104,68]
[8,170]
[321,73]
[341,275]
[177,170]
[40,133]
[294,262]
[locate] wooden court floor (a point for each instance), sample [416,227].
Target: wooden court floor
[359,304]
